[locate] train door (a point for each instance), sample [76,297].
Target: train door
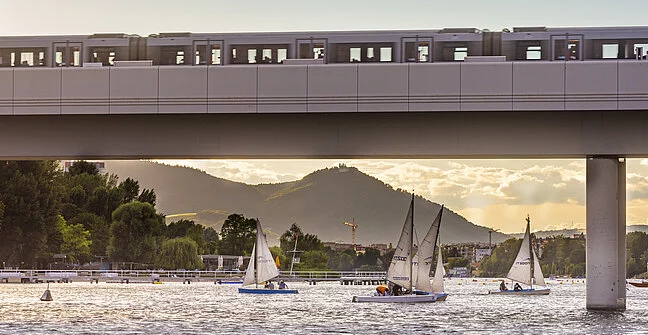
[68,53]
[416,49]
[208,52]
[312,49]
[567,47]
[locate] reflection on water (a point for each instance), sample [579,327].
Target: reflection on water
[205,308]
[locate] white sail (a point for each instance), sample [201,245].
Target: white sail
[537,271]
[439,273]
[521,269]
[400,269]
[249,273]
[265,264]
[426,255]
[266,267]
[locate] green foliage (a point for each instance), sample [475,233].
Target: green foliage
[211,240]
[284,261]
[134,233]
[98,229]
[238,235]
[563,256]
[637,253]
[129,189]
[179,253]
[81,167]
[313,260]
[305,242]
[30,196]
[76,241]
[368,259]
[499,263]
[188,228]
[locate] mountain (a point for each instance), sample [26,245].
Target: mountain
[319,203]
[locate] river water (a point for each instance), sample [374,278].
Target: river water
[326,308]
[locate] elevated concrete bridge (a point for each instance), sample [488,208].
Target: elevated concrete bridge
[594,110]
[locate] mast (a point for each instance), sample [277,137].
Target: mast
[531,258]
[411,246]
[254,254]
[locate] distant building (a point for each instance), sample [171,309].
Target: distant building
[480,253]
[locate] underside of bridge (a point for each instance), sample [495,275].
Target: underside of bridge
[604,138]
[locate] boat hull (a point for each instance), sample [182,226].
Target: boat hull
[265,291]
[639,284]
[410,298]
[441,296]
[545,291]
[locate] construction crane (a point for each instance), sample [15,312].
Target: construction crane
[353,229]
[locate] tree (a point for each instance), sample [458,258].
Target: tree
[147,196]
[76,241]
[238,235]
[305,242]
[179,253]
[369,258]
[30,195]
[80,167]
[129,189]
[134,233]
[99,231]
[187,228]
[313,260]
[211,240]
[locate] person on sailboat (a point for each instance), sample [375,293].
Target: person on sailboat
[503,286]
[517,287]
[282,285]
[269,285]
[382,290]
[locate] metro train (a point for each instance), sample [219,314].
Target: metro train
[402,46]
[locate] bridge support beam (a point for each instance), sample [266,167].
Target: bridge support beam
[606,219]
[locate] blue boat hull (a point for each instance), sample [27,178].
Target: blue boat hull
[265,291]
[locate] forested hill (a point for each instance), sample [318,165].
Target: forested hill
[320,203]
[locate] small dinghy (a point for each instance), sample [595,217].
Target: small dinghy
[47,295]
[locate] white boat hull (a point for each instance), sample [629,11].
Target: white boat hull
[410,298]
[522,292]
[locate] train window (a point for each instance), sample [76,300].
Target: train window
[68,54]
[640,53]
[460,53]
[251,56]
[567,47]
[416,49]
[610,51]
[105,56]
[281,55]
[534,52]
[175,55]
[312,48]
[386,54]
[216,54]
[355,55]
[267,56]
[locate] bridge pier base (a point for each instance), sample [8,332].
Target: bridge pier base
[605,228]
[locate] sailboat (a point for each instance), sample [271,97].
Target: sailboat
[526,269]
[261,268]
[424,259]
[403,270]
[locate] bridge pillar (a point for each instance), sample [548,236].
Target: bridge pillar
[605,225]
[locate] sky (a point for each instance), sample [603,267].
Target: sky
[144,17]
[492,193]
[496,194]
